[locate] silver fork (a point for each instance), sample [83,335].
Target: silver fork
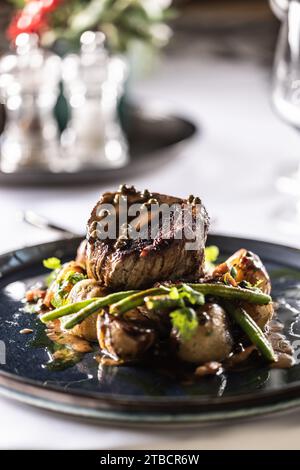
[39,221]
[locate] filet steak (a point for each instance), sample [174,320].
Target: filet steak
[124,261]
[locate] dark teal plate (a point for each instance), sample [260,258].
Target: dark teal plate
[135,394]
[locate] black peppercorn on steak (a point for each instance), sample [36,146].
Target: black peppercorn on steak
[159,252]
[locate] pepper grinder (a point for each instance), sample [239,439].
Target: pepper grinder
[29,87]
[93,83]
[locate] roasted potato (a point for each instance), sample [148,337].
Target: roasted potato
[62,284]
[211,341]
[126,338]
[250,268]
[86,289]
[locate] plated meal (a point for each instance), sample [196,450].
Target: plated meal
[145,289]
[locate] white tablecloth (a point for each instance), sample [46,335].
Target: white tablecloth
[232,164]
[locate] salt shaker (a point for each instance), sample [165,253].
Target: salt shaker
[29,87]
[93,83]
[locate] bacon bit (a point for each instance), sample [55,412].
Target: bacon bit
[34,295]
[48,297]
[283,361]
[220,270]
[108,361]
[228,279]
[210,368]
[26,331]
[239,357]
[145,252]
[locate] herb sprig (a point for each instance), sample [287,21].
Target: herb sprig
[211,255]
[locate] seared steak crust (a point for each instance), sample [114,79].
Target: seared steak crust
[128,263]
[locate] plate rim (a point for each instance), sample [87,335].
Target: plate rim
[144,419]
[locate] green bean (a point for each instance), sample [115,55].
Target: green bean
[65,310]
[121,302]
[135,300]
[162,302]
[252,330]
[82,314]
[229,292]
[77,306]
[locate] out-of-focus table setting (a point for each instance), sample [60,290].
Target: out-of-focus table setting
[216,72]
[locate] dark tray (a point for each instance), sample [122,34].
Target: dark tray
[154,135]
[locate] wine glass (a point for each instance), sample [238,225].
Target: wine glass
[286,101]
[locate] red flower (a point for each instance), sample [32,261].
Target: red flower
[32,18]
[50,5]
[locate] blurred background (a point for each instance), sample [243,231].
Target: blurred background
[178,97]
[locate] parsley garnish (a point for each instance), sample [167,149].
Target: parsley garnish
[73,277]
[187,293]
[185,321]
[52,263]
[233,272]
[55,265]
[211,255]
[64,286]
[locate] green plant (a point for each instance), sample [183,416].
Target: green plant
[122,21]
